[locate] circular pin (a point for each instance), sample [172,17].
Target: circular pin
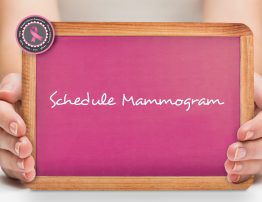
[35,34]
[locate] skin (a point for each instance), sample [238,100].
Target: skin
[249,144]
[15,148]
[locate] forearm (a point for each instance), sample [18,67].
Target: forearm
[11,12]
[244,11]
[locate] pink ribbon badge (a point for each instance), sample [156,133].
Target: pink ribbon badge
[35,35]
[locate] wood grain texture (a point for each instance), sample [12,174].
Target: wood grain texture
[247,105]
[246,79]
[150,29]
[28,108]
[141,29]
[135,183]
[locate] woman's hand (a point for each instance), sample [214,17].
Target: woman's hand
[15,148]
[245,156]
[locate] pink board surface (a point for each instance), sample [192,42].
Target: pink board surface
[141,140]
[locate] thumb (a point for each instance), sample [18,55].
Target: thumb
[10,88]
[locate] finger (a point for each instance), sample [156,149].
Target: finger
[10,88]
[251,130]
[258,90]
[10,120]
[12,162]
[235,178]
[250,167]
[248,150]
[23,177]
[21,147]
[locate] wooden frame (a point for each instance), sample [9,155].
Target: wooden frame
[141,29]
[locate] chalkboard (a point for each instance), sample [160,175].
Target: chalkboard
[137,106]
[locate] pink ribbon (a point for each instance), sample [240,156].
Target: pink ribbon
[34,33]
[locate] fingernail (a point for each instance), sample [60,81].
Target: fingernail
[240,153]
[25,175]
[20,164]
[249,135]
[13,128]
[17,148]
[7,86]
[237,167]
[235,178]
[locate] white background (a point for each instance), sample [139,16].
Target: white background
[127,10]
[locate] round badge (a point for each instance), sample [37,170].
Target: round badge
[35,34]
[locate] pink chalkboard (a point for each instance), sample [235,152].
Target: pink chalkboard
[170,105]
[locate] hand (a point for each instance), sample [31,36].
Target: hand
[15,148]
[245,156]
